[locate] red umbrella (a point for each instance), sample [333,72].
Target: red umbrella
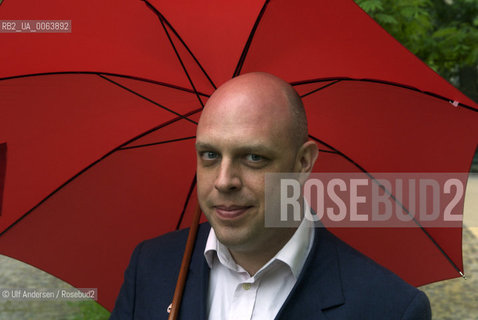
[3,163]
[100,122]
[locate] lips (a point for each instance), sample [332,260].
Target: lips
[230,212]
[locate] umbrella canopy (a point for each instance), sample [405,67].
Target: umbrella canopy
[3,164]
[99,123]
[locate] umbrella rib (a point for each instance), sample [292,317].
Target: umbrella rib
[295,83]
[249,40]
[182,41]
[181,62]
[161,19]
[93,164]
[318,89]
[395,199]
[328,151]
[183,212]
[395,84]
[156,143]
[165,124]
[108,74]
[146,98]
[417,90]
[419,225]
[334,150]
[56,190]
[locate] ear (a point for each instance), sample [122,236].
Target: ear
[306,157]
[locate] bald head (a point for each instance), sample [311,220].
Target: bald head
[264,96]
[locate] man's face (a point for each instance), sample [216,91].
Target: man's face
[240,137]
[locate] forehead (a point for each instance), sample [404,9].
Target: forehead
[236,129]
[241,118]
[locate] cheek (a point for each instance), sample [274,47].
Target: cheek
[256,186]
[205,182]
[201,188]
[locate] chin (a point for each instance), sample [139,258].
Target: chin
[229,237]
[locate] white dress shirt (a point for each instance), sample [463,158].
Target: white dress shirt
[234,295]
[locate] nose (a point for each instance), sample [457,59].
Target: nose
[228,177]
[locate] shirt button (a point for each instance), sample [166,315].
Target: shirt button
[246,286]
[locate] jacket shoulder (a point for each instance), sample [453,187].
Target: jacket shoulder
[150,278]
[342,283]
[375,289]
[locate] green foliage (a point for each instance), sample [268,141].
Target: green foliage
[407,20]
[443,33]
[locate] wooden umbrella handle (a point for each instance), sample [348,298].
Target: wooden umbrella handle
[183,272]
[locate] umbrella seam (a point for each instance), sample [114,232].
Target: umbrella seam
[395,84]
[89,167]
[146,98]
[168,85]
[295,83]
[161,20]
[329,151]
[156,143]
[398,202]
[183,43]
[242,58]
[318,89]
[164,124]
[188,197]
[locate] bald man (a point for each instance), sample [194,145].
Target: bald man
[252,125]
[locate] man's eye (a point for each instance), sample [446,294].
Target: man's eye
[209,155]
[254,157]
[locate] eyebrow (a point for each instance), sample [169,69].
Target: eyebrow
[250,148]
[204,146]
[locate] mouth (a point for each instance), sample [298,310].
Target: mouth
[230,212]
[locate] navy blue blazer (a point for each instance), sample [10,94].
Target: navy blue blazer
[337,282]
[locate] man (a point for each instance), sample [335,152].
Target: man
[252,125]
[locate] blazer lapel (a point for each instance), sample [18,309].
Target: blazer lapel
[319,286]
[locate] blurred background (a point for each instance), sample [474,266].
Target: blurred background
[442,33]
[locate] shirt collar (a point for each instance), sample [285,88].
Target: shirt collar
[293,254]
